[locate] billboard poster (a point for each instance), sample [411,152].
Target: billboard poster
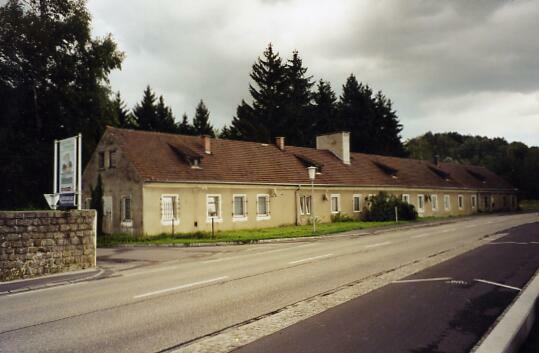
[67,165]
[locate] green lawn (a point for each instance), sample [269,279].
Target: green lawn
[240,236]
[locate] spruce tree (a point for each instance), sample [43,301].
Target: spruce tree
[388,128]
[185,128]
[299,124]
[324,112]
[201,124]
[164,118]
[145,111]
[265,119]
[122,116]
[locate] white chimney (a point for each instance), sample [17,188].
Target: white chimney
[338,143]
[207,143]
[279,141]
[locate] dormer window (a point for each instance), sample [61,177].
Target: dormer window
[188,155]
[439,172]
[308,162]
[195,163]
[386,169]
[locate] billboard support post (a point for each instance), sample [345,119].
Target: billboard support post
[79,168]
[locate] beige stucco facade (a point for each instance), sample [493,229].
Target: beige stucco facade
[146,212]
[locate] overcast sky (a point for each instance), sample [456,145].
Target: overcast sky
[465,66]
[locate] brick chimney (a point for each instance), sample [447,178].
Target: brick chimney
[338,143]
[279,142]
[207,143]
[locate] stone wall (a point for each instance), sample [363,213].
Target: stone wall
[36,243]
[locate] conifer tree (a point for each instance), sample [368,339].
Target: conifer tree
[164,118]
[185,128]
[145,111]
[122,116]
[324,112]
[299,124]
[265,119]
[201,124]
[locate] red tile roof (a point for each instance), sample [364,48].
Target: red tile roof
[156,158]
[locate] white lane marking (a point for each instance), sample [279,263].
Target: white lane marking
[377,244]
[183,286]
[421,235]
[508,242]
[258,253]
[497,284]
[423,280]
[57,285]
[150,271]
[309,259]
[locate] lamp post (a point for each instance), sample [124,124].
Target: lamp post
[312,176]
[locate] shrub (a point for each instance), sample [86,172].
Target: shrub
[341,217]
[382,208]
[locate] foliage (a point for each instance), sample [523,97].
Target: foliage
[152,114]
[185,128]
[53,84]
[382,208]
[341,217]
[515,161]
[201,124]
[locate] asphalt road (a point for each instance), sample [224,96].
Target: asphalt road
[154,299]
[445,308]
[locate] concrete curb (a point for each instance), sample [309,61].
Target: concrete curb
[357,232]
[515,324]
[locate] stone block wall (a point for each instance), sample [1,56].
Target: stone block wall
[36,243]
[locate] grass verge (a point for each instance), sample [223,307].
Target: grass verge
[240,236]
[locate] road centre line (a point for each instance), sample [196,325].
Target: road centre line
[497,284]
[423,280]
[183,286]
[377,244]
[309,259]
[258,253]
[422,235]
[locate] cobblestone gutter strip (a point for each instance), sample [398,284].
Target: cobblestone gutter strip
[244,333]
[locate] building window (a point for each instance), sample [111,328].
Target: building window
[461,202]
[406,198]
[474,201]
[447,203]
[492,202]
[305,205]
[335,203]
[213,208]
[239,207]
[504,201]
[125,209]
[262,207]
[169,209]
[485,199]
[434,202]
[112,159]
[513,202]
[357,203]
[420,203]
[101,160]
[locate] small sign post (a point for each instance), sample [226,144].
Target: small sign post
[67,183]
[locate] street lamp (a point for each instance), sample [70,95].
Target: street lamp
[312,176]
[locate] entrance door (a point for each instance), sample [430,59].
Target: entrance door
[107,214]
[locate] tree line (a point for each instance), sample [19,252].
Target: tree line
[516,162]
[54,83]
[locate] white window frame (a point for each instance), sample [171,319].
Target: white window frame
[474,201]
[259,216]
[305,205]
[447,206]
[354,197]
[434,202]
[338,197]
[419,208]
[239,217]
[406,198]
[460,201]
[176,205]
[219,217]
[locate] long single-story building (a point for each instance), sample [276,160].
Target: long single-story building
[158,183]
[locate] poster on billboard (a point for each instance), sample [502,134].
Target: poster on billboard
[68,165]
